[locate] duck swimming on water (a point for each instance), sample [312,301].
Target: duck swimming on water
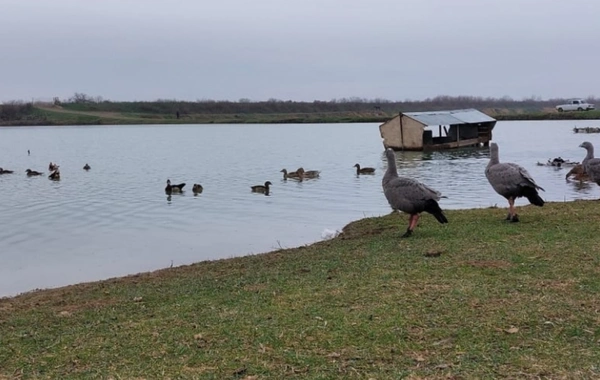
[197,188]
[360,170]
[308,174]
[173,188]
[264,189]
[578,173]
[292,175]
[55,175]
[31,173]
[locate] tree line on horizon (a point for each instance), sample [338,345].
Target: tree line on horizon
[83,102]
[15,110]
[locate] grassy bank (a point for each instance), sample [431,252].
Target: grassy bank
[547,115]
[73,115]
[477,298]
[63,116]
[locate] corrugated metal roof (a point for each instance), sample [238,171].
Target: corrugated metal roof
[453,117]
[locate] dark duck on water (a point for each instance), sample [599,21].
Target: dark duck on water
[170,189]
[264,189]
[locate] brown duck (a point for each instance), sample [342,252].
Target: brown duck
[578,173]
[197,188]
[308,174]
[292,175]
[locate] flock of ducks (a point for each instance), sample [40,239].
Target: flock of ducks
[299,175]
[408,195]
[53,168]
[509,180]
[170,189]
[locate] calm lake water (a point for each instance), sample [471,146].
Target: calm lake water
[116,219]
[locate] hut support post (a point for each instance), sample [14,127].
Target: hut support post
[401,132]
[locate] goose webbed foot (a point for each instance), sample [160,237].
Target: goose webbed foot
[508,216]
[408,233]
[515,218]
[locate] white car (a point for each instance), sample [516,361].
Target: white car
[575,105]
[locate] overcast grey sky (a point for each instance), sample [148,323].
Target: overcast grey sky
[298,49]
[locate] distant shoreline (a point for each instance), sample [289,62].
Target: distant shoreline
[47,115]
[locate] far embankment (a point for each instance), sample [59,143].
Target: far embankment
[83,110]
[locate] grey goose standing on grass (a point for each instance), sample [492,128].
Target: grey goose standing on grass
[511,181]
[409,195]
[591,165]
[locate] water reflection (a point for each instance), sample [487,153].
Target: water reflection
[583,186]
[454,154]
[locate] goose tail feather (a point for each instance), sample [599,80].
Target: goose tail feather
[432,207]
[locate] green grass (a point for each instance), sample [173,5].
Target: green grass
[477,298]
[538,115]
[71,115]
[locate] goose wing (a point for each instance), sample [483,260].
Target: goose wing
[592,168]
[506,177]
[402,189]
[526,176]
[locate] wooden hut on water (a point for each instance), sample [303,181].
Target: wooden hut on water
[455,129]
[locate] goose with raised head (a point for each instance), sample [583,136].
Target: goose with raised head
[264,189]
[511,181]
[31,173]
[409,195]
[291,175]
[170,189]
[591,165]
[360,170]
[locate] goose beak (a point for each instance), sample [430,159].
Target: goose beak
[581,145]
